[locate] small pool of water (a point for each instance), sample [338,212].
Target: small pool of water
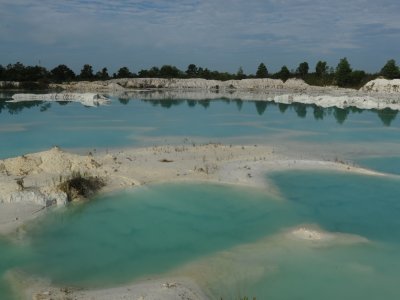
[148,231]
[163,229]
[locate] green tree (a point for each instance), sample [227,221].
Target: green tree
[321,68]
[103,74]
[390,70]
[192,71]
[262,71]
[86,72]
[356,77]
[36,73]
[15,72]
[154,72]
[302,69]
[62,73]
[124,73]
[240,74]
[168,71]
[343,73]
[2,72]
[284,74]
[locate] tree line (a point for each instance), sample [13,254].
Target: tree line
[343,75]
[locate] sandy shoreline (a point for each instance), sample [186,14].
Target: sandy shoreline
[215,163]
[42,172]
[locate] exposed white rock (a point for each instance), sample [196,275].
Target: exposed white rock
[381,85]
[36,197]
[87,99]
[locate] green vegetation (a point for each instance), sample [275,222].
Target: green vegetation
[262,71]
[302,69]
[78,186]
[390,70]
[37,77]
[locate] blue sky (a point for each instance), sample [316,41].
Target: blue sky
[217,34]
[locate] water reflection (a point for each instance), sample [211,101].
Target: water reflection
[261,106]
[387,115]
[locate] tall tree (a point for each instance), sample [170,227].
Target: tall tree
[191,71]
[2,71]
[343,73]
[321,68]
[103,74]
[262,71]
[124,73]
[284,73]
[390,70]
[62,73]
[15,72]
[86,72]
[168,71]
[302,69]
[36,73]
[240,74]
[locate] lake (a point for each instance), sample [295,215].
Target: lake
[182,229]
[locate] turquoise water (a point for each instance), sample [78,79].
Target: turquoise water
[34,126]
[386,164]
[147,231]
[170,229]
[361,205]
[159,229]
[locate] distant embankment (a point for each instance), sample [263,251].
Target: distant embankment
[293,85]
[376,94]
[185,84]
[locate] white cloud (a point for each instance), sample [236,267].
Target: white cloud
[288,26]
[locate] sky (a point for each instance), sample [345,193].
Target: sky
[216,34]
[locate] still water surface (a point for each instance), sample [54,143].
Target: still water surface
[162,229]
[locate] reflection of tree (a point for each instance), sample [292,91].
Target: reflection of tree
[63,103]
[261,106]
[319,112]
[45,107]
[226,100]
[283,107]
[239,104]
[191,103]
[300,109]
[167,103]
[354,109]
[15,108]
[123,101]
[205,103]
[340,114]
[387,115]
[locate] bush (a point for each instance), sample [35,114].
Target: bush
[79,186]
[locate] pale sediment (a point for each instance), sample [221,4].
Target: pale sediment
[40,178]
[171,288]
[42,173]
[210,277]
